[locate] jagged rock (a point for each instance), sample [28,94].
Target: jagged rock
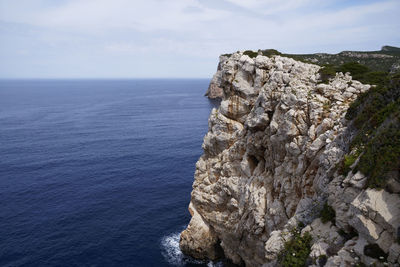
[394,254]
[199,239]
[214,91]
[269,162]
[357,180]
[319,249]
[376,213]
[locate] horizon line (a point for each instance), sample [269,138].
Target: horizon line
[106,78]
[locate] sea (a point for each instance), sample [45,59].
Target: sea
[98,172]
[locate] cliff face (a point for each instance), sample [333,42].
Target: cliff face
[270,165]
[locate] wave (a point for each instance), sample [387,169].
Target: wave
[173,255]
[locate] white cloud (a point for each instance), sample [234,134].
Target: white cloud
[271,6]
[178,16]
[106,14]
[190,30]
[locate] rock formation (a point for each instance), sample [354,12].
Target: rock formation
[270,164]
[215,90]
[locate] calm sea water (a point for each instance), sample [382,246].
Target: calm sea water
[98,172]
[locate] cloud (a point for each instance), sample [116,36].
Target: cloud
[186,16]
[272,6]
[126,32]
[110,15]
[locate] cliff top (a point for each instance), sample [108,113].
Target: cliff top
[386,59]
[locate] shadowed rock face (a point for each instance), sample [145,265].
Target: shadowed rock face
[269,162]
[199,240]
[214,90]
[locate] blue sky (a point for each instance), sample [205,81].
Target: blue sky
[178,38]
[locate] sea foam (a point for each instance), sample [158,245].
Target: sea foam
[174,256]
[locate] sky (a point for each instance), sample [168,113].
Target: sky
[178,38]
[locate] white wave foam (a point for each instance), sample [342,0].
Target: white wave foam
[171,251]
[215,264]
[174,256]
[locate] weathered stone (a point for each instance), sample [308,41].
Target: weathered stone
[394,253]
[319,249]
[199,239]
[376,215]
[269,162]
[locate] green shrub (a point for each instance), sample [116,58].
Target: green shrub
[270,52]
[375,77]
[356,69]
[381,156]
[351,112]
[375,103]
[296,250]
[327,214]
[322,259]
[348,160]
[327,72]
[250,53]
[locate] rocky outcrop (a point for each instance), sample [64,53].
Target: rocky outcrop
[199,240]
[214,90]
[269,165]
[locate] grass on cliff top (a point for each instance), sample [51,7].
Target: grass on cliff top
[250,53]
[327,72]
[266,52]
[253,54]
[358,72]
[381,60]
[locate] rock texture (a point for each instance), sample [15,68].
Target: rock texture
[269,163]
[215,90]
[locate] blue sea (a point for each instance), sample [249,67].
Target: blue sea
[98,172]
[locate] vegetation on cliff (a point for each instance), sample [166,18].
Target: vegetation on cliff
[327,214]
[375,115]
[387,59]
[296,250]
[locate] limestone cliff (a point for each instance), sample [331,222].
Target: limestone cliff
[270,164]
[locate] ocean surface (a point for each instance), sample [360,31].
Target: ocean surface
[98,172]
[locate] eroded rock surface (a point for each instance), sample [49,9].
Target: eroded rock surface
[269,162]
